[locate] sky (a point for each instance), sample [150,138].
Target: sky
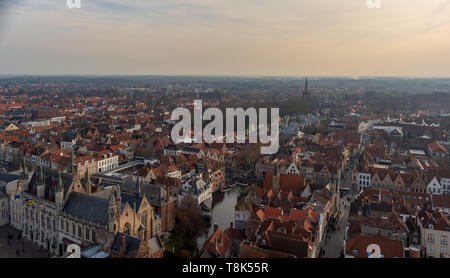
[226,37]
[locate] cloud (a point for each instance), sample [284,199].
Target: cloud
[225,37]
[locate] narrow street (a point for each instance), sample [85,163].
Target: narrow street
[333,242]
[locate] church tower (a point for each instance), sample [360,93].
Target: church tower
[72,161]
[306,92]
[276,180]
[26,177]
[59,192]
[88,182]
[40,186]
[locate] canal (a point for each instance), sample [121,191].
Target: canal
[222,212]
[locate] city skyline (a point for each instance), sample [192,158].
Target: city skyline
[196,37]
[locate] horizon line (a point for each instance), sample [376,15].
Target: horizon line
[227,75]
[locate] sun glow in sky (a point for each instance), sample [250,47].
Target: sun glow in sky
[229,37]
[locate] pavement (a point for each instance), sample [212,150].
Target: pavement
[9,250]
[333,242]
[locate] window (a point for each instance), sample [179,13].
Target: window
[443,250]
[79,231]
[430,250]
[430,238]
[126,229]
[444,240]
[93,235]
[87,233]
[144,219]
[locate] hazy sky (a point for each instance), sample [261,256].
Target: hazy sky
[231,37]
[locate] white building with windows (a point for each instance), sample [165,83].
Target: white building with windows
[199,188]
[435,234]
[4,207]
[445,183]
[106,161]
[363,180]
[434,186]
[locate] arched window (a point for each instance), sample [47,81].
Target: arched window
[144,219]
[79,231]
[126,229]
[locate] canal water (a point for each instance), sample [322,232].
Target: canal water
[222,212]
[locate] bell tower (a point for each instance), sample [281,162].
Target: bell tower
[306,92]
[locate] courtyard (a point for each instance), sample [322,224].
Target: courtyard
[17,247]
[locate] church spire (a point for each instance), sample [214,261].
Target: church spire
[88,182]
[72,161]
[25,172]
[59,186]
[41,172]
[306,92]
[138,188]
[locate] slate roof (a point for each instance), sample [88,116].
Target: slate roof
[4,177]
[131,243]
[88,208]
[131,199]
[153,193]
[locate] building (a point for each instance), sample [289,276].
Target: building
[434,186]
[436,150]
[106,160]
[435,232]
[364,246]
[4,207]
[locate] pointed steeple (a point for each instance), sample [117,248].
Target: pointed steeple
[88,182]
[72,161]
[41,175]
[112,199]
[25,172]
[59,186]
[88,176]
[306,92]
[138,188]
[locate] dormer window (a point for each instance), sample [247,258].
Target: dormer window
[430,226]
[355,252]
